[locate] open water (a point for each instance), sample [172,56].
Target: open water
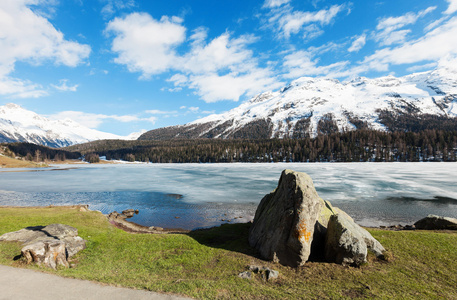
[193,196]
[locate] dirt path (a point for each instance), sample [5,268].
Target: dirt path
[28,284]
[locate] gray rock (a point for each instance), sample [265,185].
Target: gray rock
[51,245]
[432,222]
[265,272]
[129,212]
[271,274]
[49,254]
[245,275]
[74,245]
[284,222]
[347,243]
[320,231]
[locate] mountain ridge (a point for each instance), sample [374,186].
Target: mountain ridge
[311,106]
[20,125]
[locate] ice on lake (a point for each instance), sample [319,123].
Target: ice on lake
[202,195]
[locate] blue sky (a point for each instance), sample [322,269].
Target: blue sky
[121,66]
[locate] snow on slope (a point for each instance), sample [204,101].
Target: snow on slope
[19,124]
[433,92]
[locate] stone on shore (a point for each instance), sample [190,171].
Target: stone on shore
[50,246]
[432,222]
[292,225]
[347,243]
[128,213]
[284,221]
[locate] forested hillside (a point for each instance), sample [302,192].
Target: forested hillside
[360,145]
[38,153]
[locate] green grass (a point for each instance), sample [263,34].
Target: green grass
[205,264]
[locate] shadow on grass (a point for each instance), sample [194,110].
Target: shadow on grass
[232,237]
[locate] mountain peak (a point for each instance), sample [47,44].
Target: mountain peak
[12,106]
[311,106]
[20,125]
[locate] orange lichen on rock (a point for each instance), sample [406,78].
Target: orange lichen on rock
[302,233]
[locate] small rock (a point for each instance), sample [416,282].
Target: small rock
[265,272]
[245,275]
[84,208]
[255,269]
[433,222]
[128,213]
[271,274]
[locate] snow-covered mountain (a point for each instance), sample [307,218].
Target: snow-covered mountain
[20,125]
[309,106]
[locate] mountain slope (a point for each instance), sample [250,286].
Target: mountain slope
[309,106]
[20,125]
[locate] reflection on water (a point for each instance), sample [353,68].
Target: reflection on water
[201,195]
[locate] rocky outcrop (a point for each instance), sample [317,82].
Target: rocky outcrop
[432,222]
[293,224]
[50,246]
[284,222]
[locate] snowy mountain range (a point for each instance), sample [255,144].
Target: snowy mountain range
[308,106]
[20,125]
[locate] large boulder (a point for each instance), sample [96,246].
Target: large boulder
[347,243]
[51,245]
[432,222]
[285,219]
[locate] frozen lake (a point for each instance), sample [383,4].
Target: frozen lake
[201,195]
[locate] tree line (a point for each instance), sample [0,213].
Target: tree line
[351,146]
[38,153]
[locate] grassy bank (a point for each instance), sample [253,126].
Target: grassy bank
[9,162]
[205,264]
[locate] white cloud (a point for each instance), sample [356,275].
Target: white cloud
[221,53]
[433,46]
[358,43]
[452,7]
[301,63]
[112,6]
[144,44]
[435,24]
[92,120]
[312,31]
[422,67]
[63,87]
[16,88]
[292,22]
[28,36]
[231,86]
[388,28]
[274,3]
[160,112]
[199,36]
[220,69]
